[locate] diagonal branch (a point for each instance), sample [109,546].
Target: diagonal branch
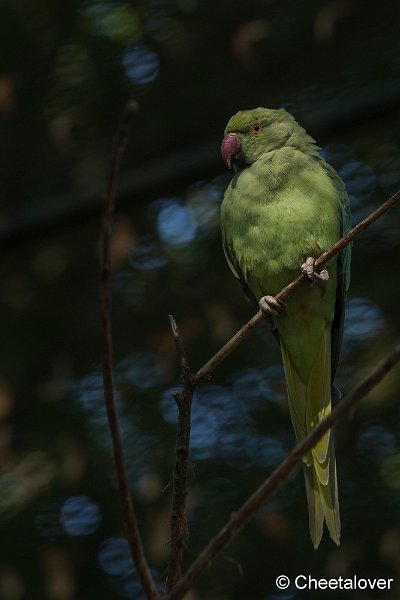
[239,519]
[131,525]
[213,363]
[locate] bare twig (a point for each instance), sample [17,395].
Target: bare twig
[131,525]
[279,476]
[179,525]
[211,365]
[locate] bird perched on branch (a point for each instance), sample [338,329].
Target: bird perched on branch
[284,207]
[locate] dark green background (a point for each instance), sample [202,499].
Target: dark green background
[64,79]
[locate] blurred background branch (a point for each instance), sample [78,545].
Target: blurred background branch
[175,168]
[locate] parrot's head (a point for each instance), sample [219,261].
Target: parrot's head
[251,133]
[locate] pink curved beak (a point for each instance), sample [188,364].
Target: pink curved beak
[231,146]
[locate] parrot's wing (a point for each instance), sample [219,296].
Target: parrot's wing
[343,276]
[234,267]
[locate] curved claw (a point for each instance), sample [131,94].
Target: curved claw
[314,276]
[270,306]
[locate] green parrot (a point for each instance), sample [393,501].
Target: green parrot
[283,208]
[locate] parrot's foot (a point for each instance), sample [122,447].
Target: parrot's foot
[270,307]
[320,276]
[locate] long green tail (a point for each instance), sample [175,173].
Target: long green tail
[310,402]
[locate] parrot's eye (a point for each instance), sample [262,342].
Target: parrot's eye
[256,128]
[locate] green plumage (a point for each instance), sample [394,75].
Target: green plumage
[285,204]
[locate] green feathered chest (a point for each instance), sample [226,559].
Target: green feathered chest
[276,213]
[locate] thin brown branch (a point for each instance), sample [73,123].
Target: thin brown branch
[213,363]
[179,526]
[131,525]
[239,519]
